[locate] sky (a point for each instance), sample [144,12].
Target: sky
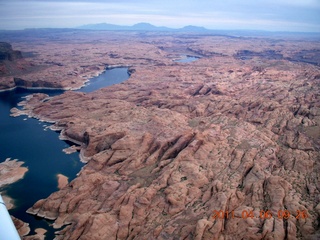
[270,15]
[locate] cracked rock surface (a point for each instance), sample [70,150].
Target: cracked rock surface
[178,141]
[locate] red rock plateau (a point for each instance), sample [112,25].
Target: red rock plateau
[10,172]
[236,131]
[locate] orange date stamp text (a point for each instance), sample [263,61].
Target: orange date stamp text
[263,214]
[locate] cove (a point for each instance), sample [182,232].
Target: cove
[187,59]
[28,140]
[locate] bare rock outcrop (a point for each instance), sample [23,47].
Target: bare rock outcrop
[11,171]
[7,53]
[178,143]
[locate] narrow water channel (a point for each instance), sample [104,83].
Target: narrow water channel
[28,140]
[187,59]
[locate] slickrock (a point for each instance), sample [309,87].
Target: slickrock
[11,171]
[71,149]
[40,235]
[8,202]
[179,141]
[11,63]
[22,227]
[62,180]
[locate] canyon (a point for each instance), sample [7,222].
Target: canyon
[237,130]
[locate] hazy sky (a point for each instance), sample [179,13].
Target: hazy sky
[274,15]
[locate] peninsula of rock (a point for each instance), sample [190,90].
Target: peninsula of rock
[236,131]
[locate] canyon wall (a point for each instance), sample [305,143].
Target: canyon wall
[225,147]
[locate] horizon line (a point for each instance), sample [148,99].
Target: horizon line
[205,29]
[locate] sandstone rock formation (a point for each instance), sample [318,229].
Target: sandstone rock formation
[62,180]
[7,53]
[11,171]
[177,142]
[22,227]
[11,63]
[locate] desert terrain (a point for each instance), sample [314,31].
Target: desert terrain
[10,172]
[224,147]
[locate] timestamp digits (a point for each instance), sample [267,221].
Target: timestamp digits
[263,214]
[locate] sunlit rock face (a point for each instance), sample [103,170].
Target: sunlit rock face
[225,147]
[11,171]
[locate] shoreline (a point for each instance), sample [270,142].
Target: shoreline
[11,170]
[62,136]
[22,108]
[54,128]
[88,77]
[33,88]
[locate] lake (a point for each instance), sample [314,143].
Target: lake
[187,59]
[28,140]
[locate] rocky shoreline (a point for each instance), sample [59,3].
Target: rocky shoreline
[10,172]
[177,142]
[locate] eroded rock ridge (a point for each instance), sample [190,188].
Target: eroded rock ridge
[178,141]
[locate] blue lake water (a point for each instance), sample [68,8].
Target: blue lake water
[27,140]
[107,78]
[187,59]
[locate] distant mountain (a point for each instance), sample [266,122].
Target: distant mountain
[191,28]
[195,29]
[149,27]
[103,26]
[140,27]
